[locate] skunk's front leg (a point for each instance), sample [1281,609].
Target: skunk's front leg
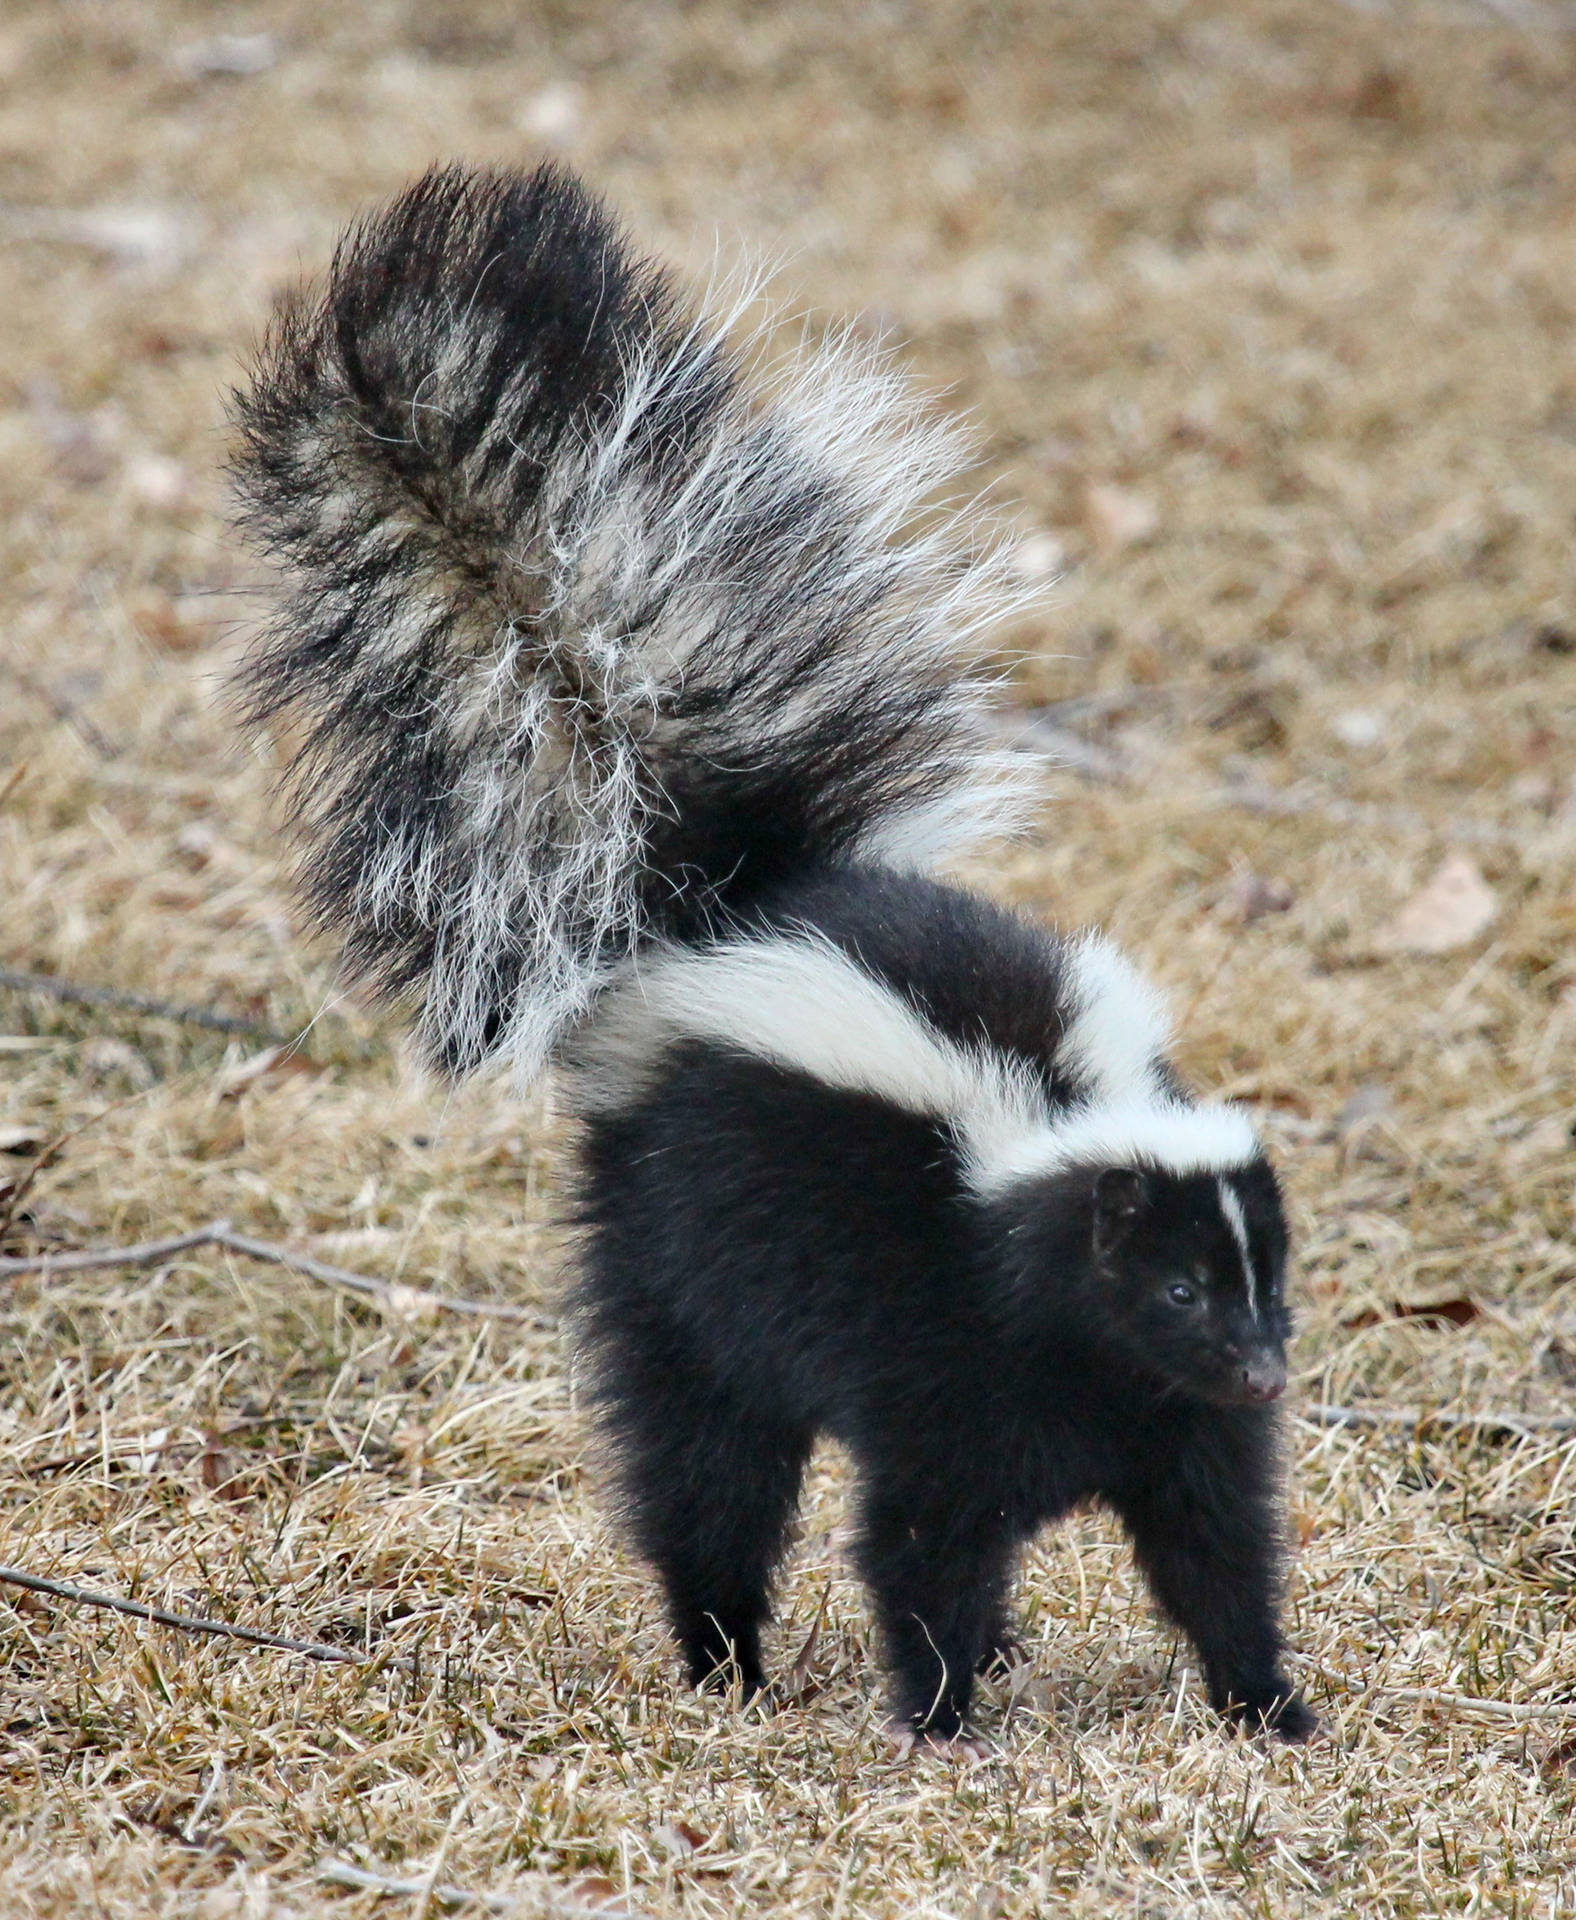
[1205,1525]
[938,1584]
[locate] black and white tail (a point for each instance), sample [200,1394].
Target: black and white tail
[583,640]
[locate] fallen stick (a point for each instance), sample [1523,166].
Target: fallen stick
[393,1294]
[1254,798]
[1523,1423]
[143,1254]
[52,987]
[581,1901]
[341,1873]
[191,1623]
[65,712]
[18,1191]
[1500,1709]
[397,1297]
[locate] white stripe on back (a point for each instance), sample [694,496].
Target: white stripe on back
[802,1003]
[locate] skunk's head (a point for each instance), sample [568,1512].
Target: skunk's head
[1188,1273]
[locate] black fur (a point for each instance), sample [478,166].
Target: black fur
[591,655]
[769,1259]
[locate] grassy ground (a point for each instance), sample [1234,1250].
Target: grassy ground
[1266,313]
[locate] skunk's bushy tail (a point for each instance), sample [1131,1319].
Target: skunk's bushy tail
[581,641]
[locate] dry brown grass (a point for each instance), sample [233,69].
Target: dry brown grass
[1298,277]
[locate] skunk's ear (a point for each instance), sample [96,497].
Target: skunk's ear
[1121,1195]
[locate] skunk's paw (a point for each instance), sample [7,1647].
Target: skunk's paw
[1283,1713]
[1293,1721]
[903,1741]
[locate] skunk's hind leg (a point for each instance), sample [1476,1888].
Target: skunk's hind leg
[709,1486]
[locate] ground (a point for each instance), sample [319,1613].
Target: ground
[1264,313]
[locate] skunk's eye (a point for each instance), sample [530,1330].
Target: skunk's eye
[1181,1294]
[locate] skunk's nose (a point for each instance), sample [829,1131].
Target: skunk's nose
[1264,1377]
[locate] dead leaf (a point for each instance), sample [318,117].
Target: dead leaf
[679,1840]
[595,1893]
[1038,557]
[1359,728]
[1449,911]
[1257,717]
[1383,93]
[415,1304]
[800,1687]
[178,626]
[1456,1312]
[157,480]
[554,115]
[1547,1139]
[137,235]
[105,1058]
[1118,518]
[218,1472]
[233,1081]
[1252,895]
[232,55]
[244,1072]
[1365,1106]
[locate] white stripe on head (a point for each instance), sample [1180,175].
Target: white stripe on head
[1119,1030]
[1231,1207]
[1168,1135]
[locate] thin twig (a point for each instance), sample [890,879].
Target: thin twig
[341,1873]
[1253,797]
[397,1297]
[11,1197]
[65,712]
[1500,1709]
[143,1254]
[49,1153]
[392,1294]
[190,1623]
[52,987]
[1519,1423]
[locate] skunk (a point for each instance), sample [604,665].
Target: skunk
[630,718]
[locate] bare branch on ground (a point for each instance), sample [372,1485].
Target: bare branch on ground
[1560,1710]
[191,1623]
[1492,1422]
[342,1873]
[391,1294]
[76,993]
[1254,797]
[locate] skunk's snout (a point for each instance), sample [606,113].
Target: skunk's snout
[1264,1377]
